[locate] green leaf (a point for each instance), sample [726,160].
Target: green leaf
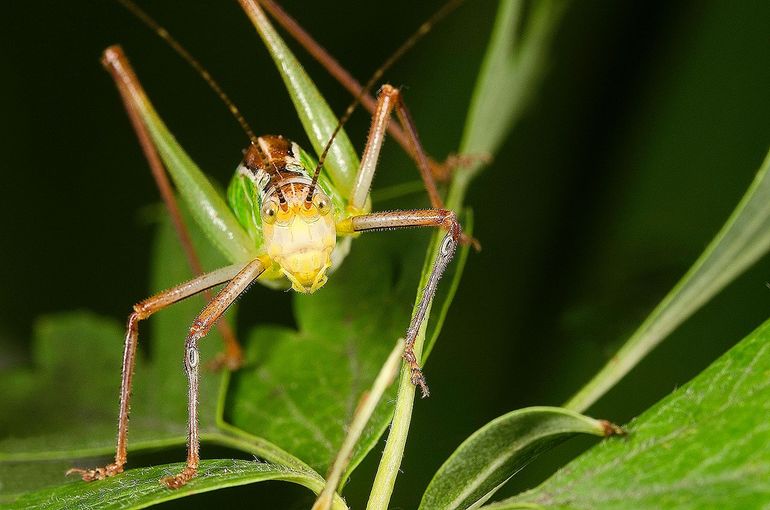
[513,66]
[498,450]
[139,488]
[743,239]
[72,391]
[306,384]
[707,445]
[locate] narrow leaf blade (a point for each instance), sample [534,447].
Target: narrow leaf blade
[743,239]
[512,68]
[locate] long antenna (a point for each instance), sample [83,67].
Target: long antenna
[212,83]
[182,52]
[421,31]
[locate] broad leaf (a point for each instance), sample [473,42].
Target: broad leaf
[307,383]
[139,488]
[498,450]
[73,390]
[707,445]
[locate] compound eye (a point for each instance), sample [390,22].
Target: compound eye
[269,212]
[322,203]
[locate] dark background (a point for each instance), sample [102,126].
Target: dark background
[647,129]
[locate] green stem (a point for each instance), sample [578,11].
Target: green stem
[390,462]
[363,414]
[504,87]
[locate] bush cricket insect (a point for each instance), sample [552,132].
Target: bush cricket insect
[289,220]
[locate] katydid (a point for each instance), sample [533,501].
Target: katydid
[288,221]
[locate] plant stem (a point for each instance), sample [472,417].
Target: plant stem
[504,87]
[390,462]
[365,409]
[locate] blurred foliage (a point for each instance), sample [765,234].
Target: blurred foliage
[649,126]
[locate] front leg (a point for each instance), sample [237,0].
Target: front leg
[405,219]
[200,327]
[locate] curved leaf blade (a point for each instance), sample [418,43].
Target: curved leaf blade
[140,488]
[498,450]
[743,239]
[513,66]
[707,445]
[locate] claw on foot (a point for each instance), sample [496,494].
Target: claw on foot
[174,482]
[419,381]
[100,473]
[443,171]
[225,361]
[417,378]
[466,240]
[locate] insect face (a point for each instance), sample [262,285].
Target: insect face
[300,236]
